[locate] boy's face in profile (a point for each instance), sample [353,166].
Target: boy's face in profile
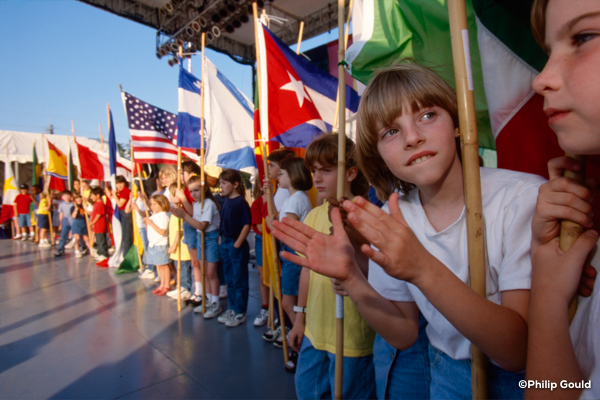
[273,169]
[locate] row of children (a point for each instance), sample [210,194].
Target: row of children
[404,268]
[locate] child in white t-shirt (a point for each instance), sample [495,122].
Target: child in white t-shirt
[566,356]
[296,178]
[408,142]
[205,219]
[157,227]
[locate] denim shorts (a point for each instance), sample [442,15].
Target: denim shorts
[79,227]
[24,220]
[290,274]
[211,246]
[451,379]
[189,236]
[258,241]
[158,255]
[43,221]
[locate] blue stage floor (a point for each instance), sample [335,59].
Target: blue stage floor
[71,330]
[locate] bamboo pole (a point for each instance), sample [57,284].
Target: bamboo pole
[47,190]
[346,33]
[202,177]
[91,237]
[179,222]
[134,215]
[101,138]
[300,31]
[472,182]
[569,230]
[270,206]
[339,300]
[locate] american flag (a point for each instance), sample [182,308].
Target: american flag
[153,132]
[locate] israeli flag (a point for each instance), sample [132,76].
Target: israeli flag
[229,120]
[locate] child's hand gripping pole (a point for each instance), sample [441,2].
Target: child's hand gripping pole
[569,230]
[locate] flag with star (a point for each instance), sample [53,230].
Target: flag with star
[298,97]
[153,132]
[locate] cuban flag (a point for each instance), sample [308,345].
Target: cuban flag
[228,130]
[297,98]
[117,257]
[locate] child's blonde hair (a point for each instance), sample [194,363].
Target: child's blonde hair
[162,201]
[170,172]
[257,190]
[383,100]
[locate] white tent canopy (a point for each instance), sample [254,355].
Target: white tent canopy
[20,147]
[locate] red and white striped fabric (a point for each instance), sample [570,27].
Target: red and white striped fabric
[153,133]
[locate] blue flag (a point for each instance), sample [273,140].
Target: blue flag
[117,257]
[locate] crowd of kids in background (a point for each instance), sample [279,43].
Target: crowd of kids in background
[410,316]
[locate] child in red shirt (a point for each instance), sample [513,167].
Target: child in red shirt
[98,224]
[22,203]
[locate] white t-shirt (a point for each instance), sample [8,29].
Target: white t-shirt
[139,219]
[508,200]
[280,196]
[298,203]
[210,214]
[161,219]
[585,335]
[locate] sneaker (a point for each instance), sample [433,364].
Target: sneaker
[213,310]
[32,236]
[59,253]
[194,301]
[101,258]
[223,292]
[70,245]
[223,318]
[17,237]
[93,252]
[44,245]
[147,274]
[290,366]
[185,294]
[261,318]
[279,341]
[157,279]
[24,238]
[84,252]
[271,336]
[236,320]
[78,254]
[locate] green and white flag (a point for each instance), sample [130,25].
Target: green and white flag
[504,57]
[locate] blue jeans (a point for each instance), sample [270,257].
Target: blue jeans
[290,274]
[315,375]
[186,274]
[403,374]
[144,237]
[451,379]
[64,236]
[235,266]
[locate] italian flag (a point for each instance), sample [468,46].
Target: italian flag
[504,56]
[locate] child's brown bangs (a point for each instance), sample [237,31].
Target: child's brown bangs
[323,150]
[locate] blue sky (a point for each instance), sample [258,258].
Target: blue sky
[63,60]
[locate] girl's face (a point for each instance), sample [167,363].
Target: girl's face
[186,176]
[284,179]
[325,180]
[76,185]
[155,207]
[78,201]
[196,192]
[419,147]
[120,186]
[570,81]
[273,169]
[164,180]
[85,186]
[227,188]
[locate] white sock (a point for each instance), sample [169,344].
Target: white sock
[198,291]
[214,298]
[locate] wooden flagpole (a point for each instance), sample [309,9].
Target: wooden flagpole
[346,32]
[101,138]
[134,215]
[202,177]
[179,223]
[341,99]
[569,230]
[472,182]
[268,195]
[47,190]
[90,235]
[300,31]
